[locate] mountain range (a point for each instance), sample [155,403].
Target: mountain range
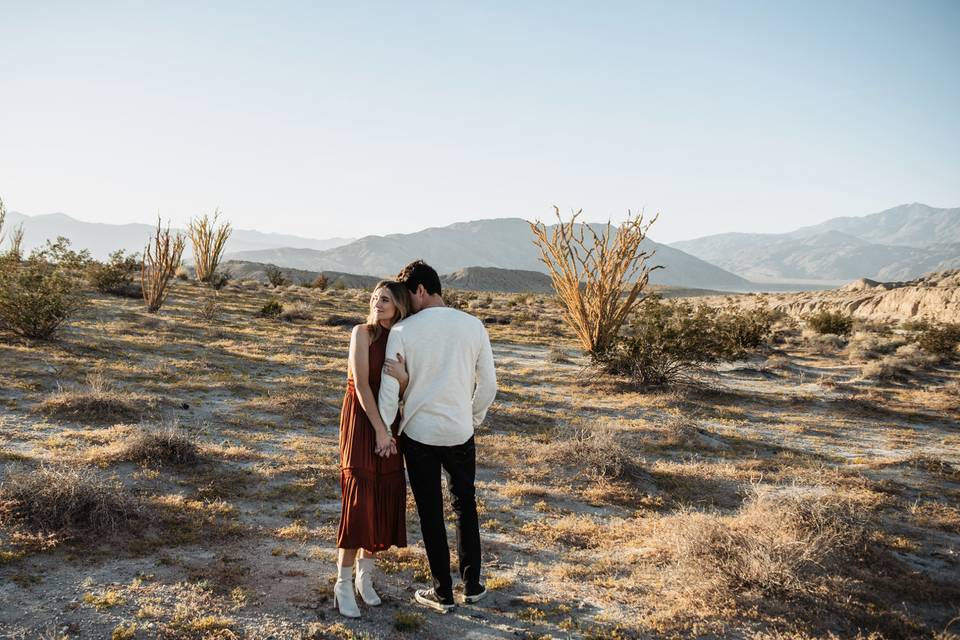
[102,239]
[897,244]
[504,243]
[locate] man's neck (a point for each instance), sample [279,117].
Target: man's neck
[433,301]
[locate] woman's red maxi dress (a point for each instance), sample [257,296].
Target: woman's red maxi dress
[373,512]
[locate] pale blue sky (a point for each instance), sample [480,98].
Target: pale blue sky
[327,119]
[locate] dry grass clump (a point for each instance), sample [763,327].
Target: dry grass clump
[99,402]
[595,453]
[905,362]
[779,546]
[166,445]
[66,500]
[825,344]
[865,345]
[295,311]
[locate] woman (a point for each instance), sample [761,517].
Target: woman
[371,471]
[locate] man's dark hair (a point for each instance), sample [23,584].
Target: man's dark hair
[419,273]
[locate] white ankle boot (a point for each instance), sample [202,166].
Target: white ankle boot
[365,581]
[343,597]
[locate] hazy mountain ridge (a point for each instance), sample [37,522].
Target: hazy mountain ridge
[901,243]
[101,239]
[504,243]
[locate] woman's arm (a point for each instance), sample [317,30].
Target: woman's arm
[360,366]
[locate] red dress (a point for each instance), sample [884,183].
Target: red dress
[374,490]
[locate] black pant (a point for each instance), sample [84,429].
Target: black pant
[424,462]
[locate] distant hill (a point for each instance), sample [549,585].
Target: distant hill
[503,243]
[240,270]
[909,225]
[103,239]
[897,244]
[494,279]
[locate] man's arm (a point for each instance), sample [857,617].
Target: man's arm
[389,399]
[486,377]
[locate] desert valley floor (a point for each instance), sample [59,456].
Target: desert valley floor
[787,495]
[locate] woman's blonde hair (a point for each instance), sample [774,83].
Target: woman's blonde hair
[401,300]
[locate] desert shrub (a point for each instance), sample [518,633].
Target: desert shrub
[209,242]
[405,621]
[219,279]
[165,445]
[833,322]
[666,342]
[940,340]
[455,299]
[182,273]
[334,320]
[320,282]
[209,309]
[64,499]
[275,276]
[39,294]
[778,544]
[599,279]
[116,275]
[161,260]
[271,309]
[295,311]
[557,355]
[915,324]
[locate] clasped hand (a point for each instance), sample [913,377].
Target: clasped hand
[386,444]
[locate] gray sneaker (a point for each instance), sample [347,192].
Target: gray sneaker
[429,598]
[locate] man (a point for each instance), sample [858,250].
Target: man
[451,385]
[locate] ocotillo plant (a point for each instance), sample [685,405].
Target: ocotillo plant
[208,242]
[161,258]
[598,278]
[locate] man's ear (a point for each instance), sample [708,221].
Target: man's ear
[421,291]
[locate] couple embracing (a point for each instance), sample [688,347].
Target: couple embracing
[420,406]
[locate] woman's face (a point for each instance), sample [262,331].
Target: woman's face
[385,309]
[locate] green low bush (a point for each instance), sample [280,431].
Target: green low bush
[40,293]
[116,275]
[835,322]
[665,342]
[940,340]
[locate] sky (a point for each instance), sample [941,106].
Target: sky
[328,119]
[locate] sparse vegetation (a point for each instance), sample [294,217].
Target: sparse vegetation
[164,445]
[599,278]
[161,259]
[272,309]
